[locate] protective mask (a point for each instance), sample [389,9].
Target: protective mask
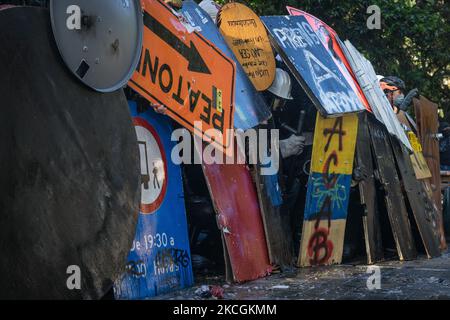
[398,101]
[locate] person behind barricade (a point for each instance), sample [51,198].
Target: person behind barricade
[394,88]
[288,101]
[280,95]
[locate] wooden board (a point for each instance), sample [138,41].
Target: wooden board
[276,222]
[395,204]
[364,171]
[328,191]
[419,163]
[427,125]
[187,74]
[239,218]
[247,37]
[69,170]
[420,204]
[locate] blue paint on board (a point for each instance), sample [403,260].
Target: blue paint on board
[312,65]
[317,194]
[160,258]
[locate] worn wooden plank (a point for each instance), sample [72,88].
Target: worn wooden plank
[421,205]
[328,191]
[419,163]
[367,79]
[276,223]
[397,213]
[364,173]
[427,125]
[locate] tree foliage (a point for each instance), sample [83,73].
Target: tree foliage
[412,43]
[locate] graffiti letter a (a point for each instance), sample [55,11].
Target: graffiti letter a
[374,21]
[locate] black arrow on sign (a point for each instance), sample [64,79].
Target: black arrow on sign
[191,54]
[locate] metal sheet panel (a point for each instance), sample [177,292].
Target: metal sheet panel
[331,42]
[250,107]
[160,258]
[238,214]
[312,65]
[367,78]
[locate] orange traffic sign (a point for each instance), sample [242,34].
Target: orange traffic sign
[187,74]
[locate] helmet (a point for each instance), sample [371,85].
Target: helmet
[393,83]
[282,85]
[211,8]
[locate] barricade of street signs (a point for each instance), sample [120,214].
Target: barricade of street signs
[364,166]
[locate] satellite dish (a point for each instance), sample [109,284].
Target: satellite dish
[100,41]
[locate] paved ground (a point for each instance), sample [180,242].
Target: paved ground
[418,279]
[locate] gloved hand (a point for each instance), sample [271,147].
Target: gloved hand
[403,102]
[294,145]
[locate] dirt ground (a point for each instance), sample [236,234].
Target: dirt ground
[421,279]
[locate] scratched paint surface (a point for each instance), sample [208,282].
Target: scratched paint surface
[250,107]
[328,191]
[239,218]
[160,259]
[332,43]
[310,62]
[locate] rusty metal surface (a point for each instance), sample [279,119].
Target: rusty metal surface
[398,215]
[421,205]
[239,218]
[427,125]
[364,172]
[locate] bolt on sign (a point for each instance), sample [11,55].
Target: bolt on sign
[160,259]
[187,74]
[332,43]
[246,36]
[328,190]
[312,65]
